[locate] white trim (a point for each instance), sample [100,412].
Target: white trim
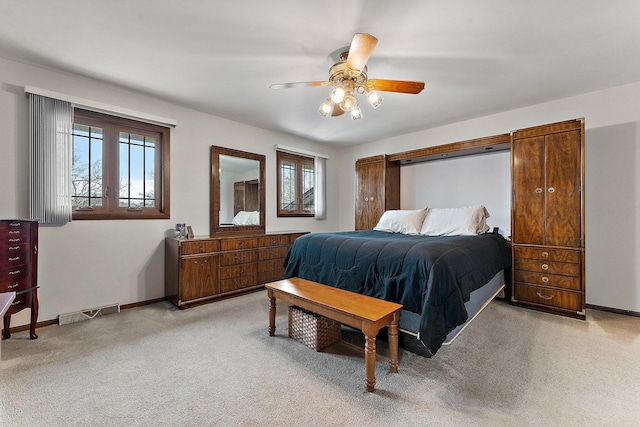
[279,147]
[102,108]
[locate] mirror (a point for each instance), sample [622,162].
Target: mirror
[237,190]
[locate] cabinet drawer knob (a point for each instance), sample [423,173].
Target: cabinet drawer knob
[545,267]
[366,199]
[545,279]
[13,286]
[552,190]
[544,296]
[13,240]
[371,198]
[538,190]
[15,258]
[16,302]
[14,224]
[545,254]
[14,248]
[15,272]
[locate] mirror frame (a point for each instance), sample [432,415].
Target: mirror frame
[214,197]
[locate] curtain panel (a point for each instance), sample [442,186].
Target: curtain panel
[51,157]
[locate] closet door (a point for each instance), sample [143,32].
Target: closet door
[377,189]
[528,181]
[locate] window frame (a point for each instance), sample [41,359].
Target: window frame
[112,126]
[299,160]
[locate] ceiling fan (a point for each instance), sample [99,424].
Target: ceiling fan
[349,77]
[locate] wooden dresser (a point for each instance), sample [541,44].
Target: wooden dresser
[19,269]
[377,189]
[547,218]
[203,269]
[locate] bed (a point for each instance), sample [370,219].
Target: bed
[441,281]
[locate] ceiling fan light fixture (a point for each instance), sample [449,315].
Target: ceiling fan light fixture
[356,113]
[326,108]
[349,103]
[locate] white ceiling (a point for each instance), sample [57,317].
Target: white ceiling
[476,57]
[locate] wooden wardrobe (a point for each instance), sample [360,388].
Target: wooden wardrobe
[547,218]
[377,189]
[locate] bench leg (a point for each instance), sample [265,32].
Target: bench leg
[370,360]
[272,315]
[393,344]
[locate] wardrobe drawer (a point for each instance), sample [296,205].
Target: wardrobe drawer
[236,283]
[238,270]
[22,301]
[271,264]
[9,274]
[544,279]
[199,247]
[234,244]
[551,267]
[547,254]
[271,253]
[281,239]
[545,296]
[238,257]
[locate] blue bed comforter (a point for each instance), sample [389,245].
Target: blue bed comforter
[430,276]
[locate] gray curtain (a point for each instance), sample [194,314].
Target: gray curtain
[320,190]
[50,153]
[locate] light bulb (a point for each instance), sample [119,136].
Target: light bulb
[374,99]
[337,95]
[326,108]
[356,114]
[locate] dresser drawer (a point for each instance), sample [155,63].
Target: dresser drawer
[22,301]
[238,270]
[551,267]
[561,255]
[238,257]
[544,279]
[271,264]
[550,297]
[270,276]
[14,285]
[7,248]
[234,244]
[236,283]
[9,274]
[199,247]
[276,240]
[272,253]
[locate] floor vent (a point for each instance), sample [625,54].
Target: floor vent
[79,316]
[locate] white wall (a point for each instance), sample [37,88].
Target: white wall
[612,187]
[87,264]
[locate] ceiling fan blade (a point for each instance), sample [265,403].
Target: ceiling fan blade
[400,86]
[337,111]
[361,49]
[299,84]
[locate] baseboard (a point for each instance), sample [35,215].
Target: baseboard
[45,323]
[614,310]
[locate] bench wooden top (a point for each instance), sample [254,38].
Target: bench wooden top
[6,298]
[356,305]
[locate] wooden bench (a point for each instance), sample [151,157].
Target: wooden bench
[358,311]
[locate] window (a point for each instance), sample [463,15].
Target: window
[296,178]
[120,168]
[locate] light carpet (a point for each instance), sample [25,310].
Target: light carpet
[215,365]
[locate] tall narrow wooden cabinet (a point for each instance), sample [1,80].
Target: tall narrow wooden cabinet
[547,218]
[19,269]
[377,189]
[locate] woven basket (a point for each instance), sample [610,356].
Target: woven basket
[313,330]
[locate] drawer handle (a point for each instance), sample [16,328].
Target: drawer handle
[545,254]
[13,286]
[545,267]
[16,302]
[201,263]
[15,258]
[538,190]
[14,224]
[240,243]
[240,271]
[14,232]
[201,247]
[14,272]
[545,279]
[552,190]
[13,240]
[14,248]
[544,296]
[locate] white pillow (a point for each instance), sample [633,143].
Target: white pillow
[401,221]
[247,218]
[467,221]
